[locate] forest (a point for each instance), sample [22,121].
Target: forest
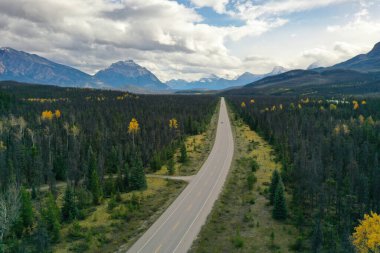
[329,152]
[98,142]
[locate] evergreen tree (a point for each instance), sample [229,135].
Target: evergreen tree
[273,186]
[280,211]
[317,238]
[94,187]
[51,217]
[93,182]
[251,179]
[126,177]
[26,212]
[171,168]
[41,238]
[183,157]
[137,178]
[69,209]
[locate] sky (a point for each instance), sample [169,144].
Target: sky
[191,39]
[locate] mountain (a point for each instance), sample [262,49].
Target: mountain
[24,67]
[217,83]
[359,75]
[30,68]
[128,75]
[301,82]
[369,62]
[314,65]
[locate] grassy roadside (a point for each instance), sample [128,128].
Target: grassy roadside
[241,219]
[112,224]
[198,148]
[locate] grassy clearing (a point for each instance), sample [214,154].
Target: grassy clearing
[111,225]
[198,148]
[241,219]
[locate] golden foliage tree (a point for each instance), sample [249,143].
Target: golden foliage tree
[173,123]
[333,107]
[356,104]
[366,237]
[57,114]
[252,101]
[243,105]
[47,115]
[133,127]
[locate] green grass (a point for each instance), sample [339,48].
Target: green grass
[106,229]
[241,219]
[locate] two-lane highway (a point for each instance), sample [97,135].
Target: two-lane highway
[180,224]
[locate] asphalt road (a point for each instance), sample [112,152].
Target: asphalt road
[180,224]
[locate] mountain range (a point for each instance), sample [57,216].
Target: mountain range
[362,72]
[123,75]
[358,75]
[217,83]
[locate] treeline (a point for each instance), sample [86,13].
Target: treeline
[99,143]
[329,151]
[38,150]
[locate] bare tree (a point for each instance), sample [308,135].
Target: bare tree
[9,209]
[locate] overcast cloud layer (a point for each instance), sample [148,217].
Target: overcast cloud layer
[189,39]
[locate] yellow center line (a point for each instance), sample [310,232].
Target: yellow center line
[175,226]
[158,249]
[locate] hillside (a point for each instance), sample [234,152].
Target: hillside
[23,67]
[359,75]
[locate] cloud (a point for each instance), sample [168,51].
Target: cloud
[170,38]
[218,5]
[323,56]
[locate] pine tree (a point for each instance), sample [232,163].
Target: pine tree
[317,238]
[171,168]
[251,179]
[273,186]
[93,183]
[137,178]
[69,209]
[183,151]
[41,238]
[51,217]
[280,211]
[126,179]
[94,187]
[26,212]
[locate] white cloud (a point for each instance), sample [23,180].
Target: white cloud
[169,38]
[218,5]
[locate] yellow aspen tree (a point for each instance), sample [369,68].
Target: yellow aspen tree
[364,102]
[57,114]
[47,115]
[356,106]
[252,101]
[333,107]
[243,105]
[133,128]
[366,237]
[173,123]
